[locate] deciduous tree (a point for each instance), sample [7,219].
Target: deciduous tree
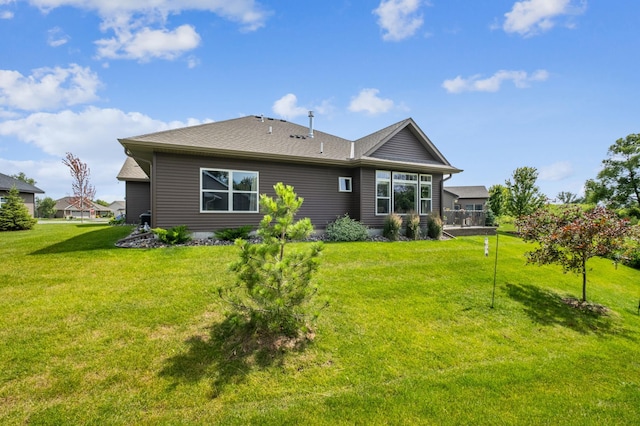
[497,199]
[523,195]
[46,207]
[566,197]
[618,183]
[570,236]
[83,191]
[22,177]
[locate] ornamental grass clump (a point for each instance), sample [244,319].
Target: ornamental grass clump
[346,229]
[413,226]
[434,227]
[392,226]
[272,294]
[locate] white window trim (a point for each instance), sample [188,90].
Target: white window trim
[343,180]
[389,198]
[419,199]
[231,191]
[426,182]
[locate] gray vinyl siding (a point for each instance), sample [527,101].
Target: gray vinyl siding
[404,146]
[176,197]
[138,200]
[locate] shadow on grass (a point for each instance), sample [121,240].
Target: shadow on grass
[548,308]
[228,355]
[100,239]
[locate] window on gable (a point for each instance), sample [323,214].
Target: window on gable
[401,192]
[228,191]
[344,184]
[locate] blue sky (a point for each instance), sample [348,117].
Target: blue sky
[495,84]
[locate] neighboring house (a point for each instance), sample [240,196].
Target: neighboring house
[466,198]
[465,205]
[209,177]
[117,208]
[67,208]
[27,191]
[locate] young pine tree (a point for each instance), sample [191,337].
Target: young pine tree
[273,290]
[14,215]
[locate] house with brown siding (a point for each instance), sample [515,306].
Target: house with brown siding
[26,191]
[210,176]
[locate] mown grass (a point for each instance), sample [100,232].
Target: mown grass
[93,334]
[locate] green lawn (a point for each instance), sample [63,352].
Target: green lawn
[93,334]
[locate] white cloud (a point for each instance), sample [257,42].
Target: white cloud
[147,44]
[556,171]
[91,135]
[399,19]
[140,26]
[531,17]
[5,14]
[56,37]
[287,107]
[492,84]
[48,88]
[368,101]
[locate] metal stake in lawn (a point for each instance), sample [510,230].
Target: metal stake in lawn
[495,269]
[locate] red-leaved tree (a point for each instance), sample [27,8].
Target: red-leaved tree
[83,191]
[570,236]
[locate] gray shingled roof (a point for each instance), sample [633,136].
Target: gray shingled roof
[7,182]
[478,191]
[269,139]
[131,171]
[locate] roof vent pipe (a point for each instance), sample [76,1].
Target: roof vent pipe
[353,150]
[310,124]
[262,118]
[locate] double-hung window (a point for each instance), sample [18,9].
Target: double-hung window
[401,192]
[425,194]
[228,191]
[383,192]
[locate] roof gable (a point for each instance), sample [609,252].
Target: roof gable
[131,171]
[402,141]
